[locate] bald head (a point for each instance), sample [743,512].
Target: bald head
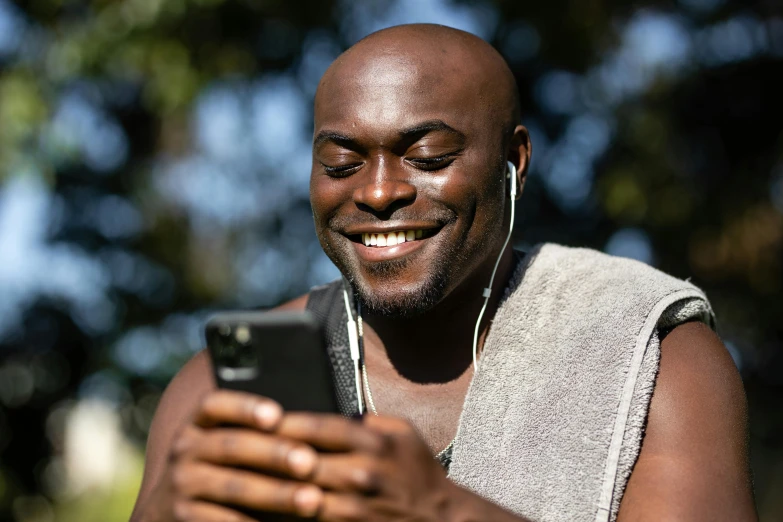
[419,59]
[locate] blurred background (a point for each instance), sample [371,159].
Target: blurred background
[154,164]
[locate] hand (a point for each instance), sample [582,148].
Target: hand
[378,470]
[212,466]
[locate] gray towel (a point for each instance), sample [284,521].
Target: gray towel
[554,418]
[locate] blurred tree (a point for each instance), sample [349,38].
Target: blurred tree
[154,159]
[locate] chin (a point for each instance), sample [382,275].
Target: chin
[400,301]
[399,288]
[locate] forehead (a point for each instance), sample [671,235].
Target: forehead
[385,93]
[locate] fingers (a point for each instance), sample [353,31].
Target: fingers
[249,449]
[342,508]
[196,511]
[355,456]
[350,507]
[238,408]
[349,472]
[324,431]
[244,488]
[331,432]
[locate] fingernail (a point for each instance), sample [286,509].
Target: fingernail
[307,501]
[301,461]
[267,415]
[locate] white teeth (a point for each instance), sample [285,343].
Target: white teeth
[391,238]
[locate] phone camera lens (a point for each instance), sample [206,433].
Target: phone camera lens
[229,351]
[234,346]
[242,334]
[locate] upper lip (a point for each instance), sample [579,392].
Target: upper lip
[388,227]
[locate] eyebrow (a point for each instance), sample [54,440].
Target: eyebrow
[416,131]
[340,139]
[426,127]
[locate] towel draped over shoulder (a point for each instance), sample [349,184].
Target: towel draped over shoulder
[554,417]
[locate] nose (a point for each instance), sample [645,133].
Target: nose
[383,190]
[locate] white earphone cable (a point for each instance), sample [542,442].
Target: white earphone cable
[353,341]
[488,290]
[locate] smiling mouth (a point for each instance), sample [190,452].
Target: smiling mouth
[393,238]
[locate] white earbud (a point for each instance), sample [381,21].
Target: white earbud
[512,174]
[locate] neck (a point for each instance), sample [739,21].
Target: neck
[437,347]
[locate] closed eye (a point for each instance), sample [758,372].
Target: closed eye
[341,171]
[432,163]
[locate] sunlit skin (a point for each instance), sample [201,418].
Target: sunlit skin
[413,127]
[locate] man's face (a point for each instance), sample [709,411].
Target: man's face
[407,182]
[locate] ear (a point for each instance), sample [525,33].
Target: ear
[519,153]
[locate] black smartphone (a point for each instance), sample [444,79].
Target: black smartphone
[278,354]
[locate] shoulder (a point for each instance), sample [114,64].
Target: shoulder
[699,385]
[300,303]
[612,282]
[581,262]
[695,364]
[694,458]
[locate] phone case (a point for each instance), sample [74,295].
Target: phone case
[279,354]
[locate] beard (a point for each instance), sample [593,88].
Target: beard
[430,287]
[428,292]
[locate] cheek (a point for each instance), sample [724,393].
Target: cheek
[474,192]
[326,196]
[493,205]
[484,216]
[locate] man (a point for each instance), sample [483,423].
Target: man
[414,126]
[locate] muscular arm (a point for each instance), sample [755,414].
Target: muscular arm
[175,408]
[179,401]
[694,459]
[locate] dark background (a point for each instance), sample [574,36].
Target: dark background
[154,158]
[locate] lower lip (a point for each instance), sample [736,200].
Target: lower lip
[374,253]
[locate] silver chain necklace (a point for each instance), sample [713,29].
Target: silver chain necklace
[368,394]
